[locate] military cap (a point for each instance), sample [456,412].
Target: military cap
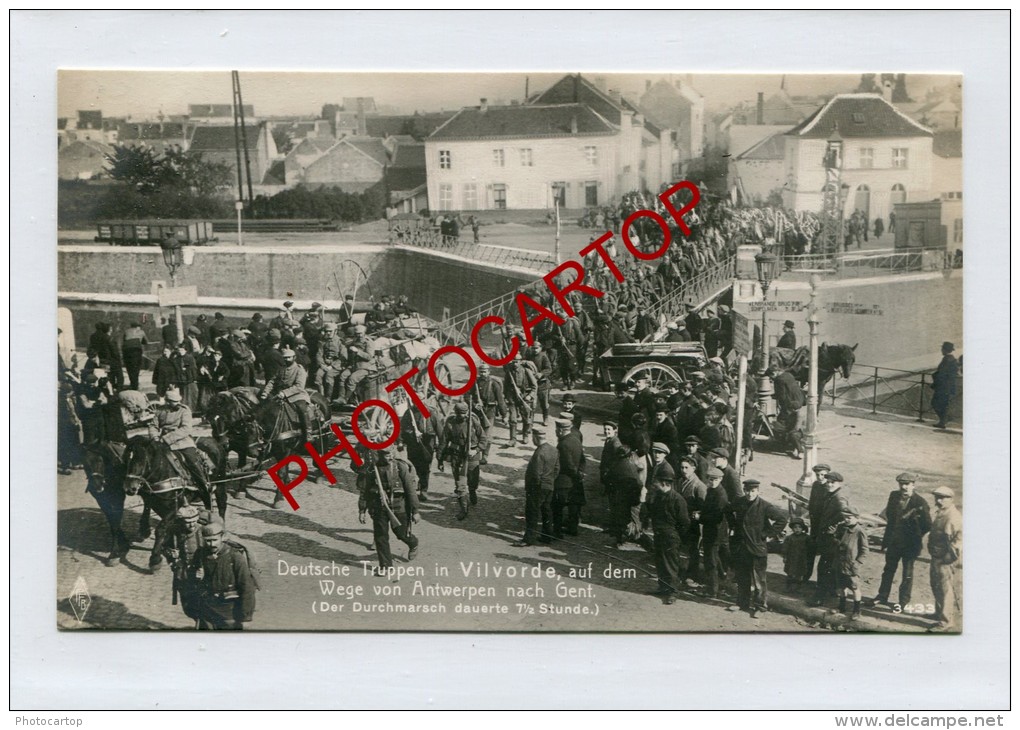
[834,476]
[460,408]
[693,440]
[188,512]
[540,430]
[751,484]
[205,516]
[717,359]
[723,308]
[660,447]
[564,423]
[237,333]
[287,352]
[483,367]
[614,424]
[715,472]
[331,326]
[788,323]
[360,329]
[720,452]
[213,528]
[288,303]
[798,521]
[569,398]
[689,305]
[943,492]
[316,305]
[568,417]
[906,478]
[821,467]
[698,374]
[173,396]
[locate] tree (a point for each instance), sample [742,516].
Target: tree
[867,85]
[176,171]
[899,92]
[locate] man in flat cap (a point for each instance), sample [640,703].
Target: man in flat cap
[753,521]
[945,545]
[908,520]
[670,521]
[715,532]
[816,498]
[539,480]
[227,589]
[943,382]
[851,549]
[830,515]
[694,491]
[462,447]
[789,339]
[569,485]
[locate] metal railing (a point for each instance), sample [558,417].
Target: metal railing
[496,255]
[870,263]
[698,289]
[887,390]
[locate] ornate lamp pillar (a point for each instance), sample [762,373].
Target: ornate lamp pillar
[173,257]
[810,437]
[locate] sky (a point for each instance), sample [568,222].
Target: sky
[143,94]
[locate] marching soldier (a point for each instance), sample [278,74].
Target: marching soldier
[545,369]
[418,436]
[289,385]
[521,383]
[462,441]
[387,491]
[490,403]
[226,588]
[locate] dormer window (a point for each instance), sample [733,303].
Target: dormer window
[857,118]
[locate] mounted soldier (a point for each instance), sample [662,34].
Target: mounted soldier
[288,386]
[173,425]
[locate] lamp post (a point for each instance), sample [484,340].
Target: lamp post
[765,263]
[239,207]
[173,257]
[810,439]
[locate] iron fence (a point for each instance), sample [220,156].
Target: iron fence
[887,390]
[870,263]
[698,289]
[497,255]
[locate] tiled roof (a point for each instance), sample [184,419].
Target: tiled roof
[276,174]
[948,143]
[410,155]
[221,138]
[859,115]
[523,121]
[575,89]
[419,125]
[404,178]
[171,130]
[770,148]
[370,146]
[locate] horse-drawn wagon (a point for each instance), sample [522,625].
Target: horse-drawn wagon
[662,361]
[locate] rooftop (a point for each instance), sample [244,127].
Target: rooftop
[859,115]
[538,120]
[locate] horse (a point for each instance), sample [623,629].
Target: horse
[150,472]
[104,470]
[831,359]
[241,423]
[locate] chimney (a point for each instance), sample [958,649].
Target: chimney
[573,124]
[887,89]
[485,104]
[761,107]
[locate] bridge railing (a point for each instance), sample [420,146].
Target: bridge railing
[870,263]
[496,255]
[695,290]
[888,390]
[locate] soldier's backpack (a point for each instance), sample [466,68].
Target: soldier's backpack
[254,571]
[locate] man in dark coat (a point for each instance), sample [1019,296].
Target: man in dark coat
[830,514]
[753,521]
[816,498]
[569,485]
[908,520]
[539,479]
[693,323]
[102,342]
[789,338]
[943,382]
[715,532]
[670,522]
[226,589]
[791,401]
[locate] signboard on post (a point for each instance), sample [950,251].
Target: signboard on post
[177,296]
[741,334]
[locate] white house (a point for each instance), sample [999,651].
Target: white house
[887,156]
[531,155]
[947,182]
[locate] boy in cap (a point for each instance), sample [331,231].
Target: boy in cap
[945,545]
[797,554]
[852,546]
[569,404]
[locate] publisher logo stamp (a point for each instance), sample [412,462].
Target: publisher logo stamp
[80,598]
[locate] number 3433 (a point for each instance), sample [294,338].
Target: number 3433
[921,608]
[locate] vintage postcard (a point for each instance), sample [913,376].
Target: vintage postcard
[548,352]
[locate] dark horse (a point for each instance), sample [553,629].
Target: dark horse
[104,469]
[149,470]
[263,430]
[831,359]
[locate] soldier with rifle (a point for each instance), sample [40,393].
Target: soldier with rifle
[490,403]
[387,490]
[462,447]
[418,436]
[521,379]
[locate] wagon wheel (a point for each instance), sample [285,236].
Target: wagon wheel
[375,424]
[658,374]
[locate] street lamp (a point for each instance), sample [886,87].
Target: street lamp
[810,438]
[173,257]
[765,263]
[239,207]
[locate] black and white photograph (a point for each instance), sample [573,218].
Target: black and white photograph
[510,359]
[588,353]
